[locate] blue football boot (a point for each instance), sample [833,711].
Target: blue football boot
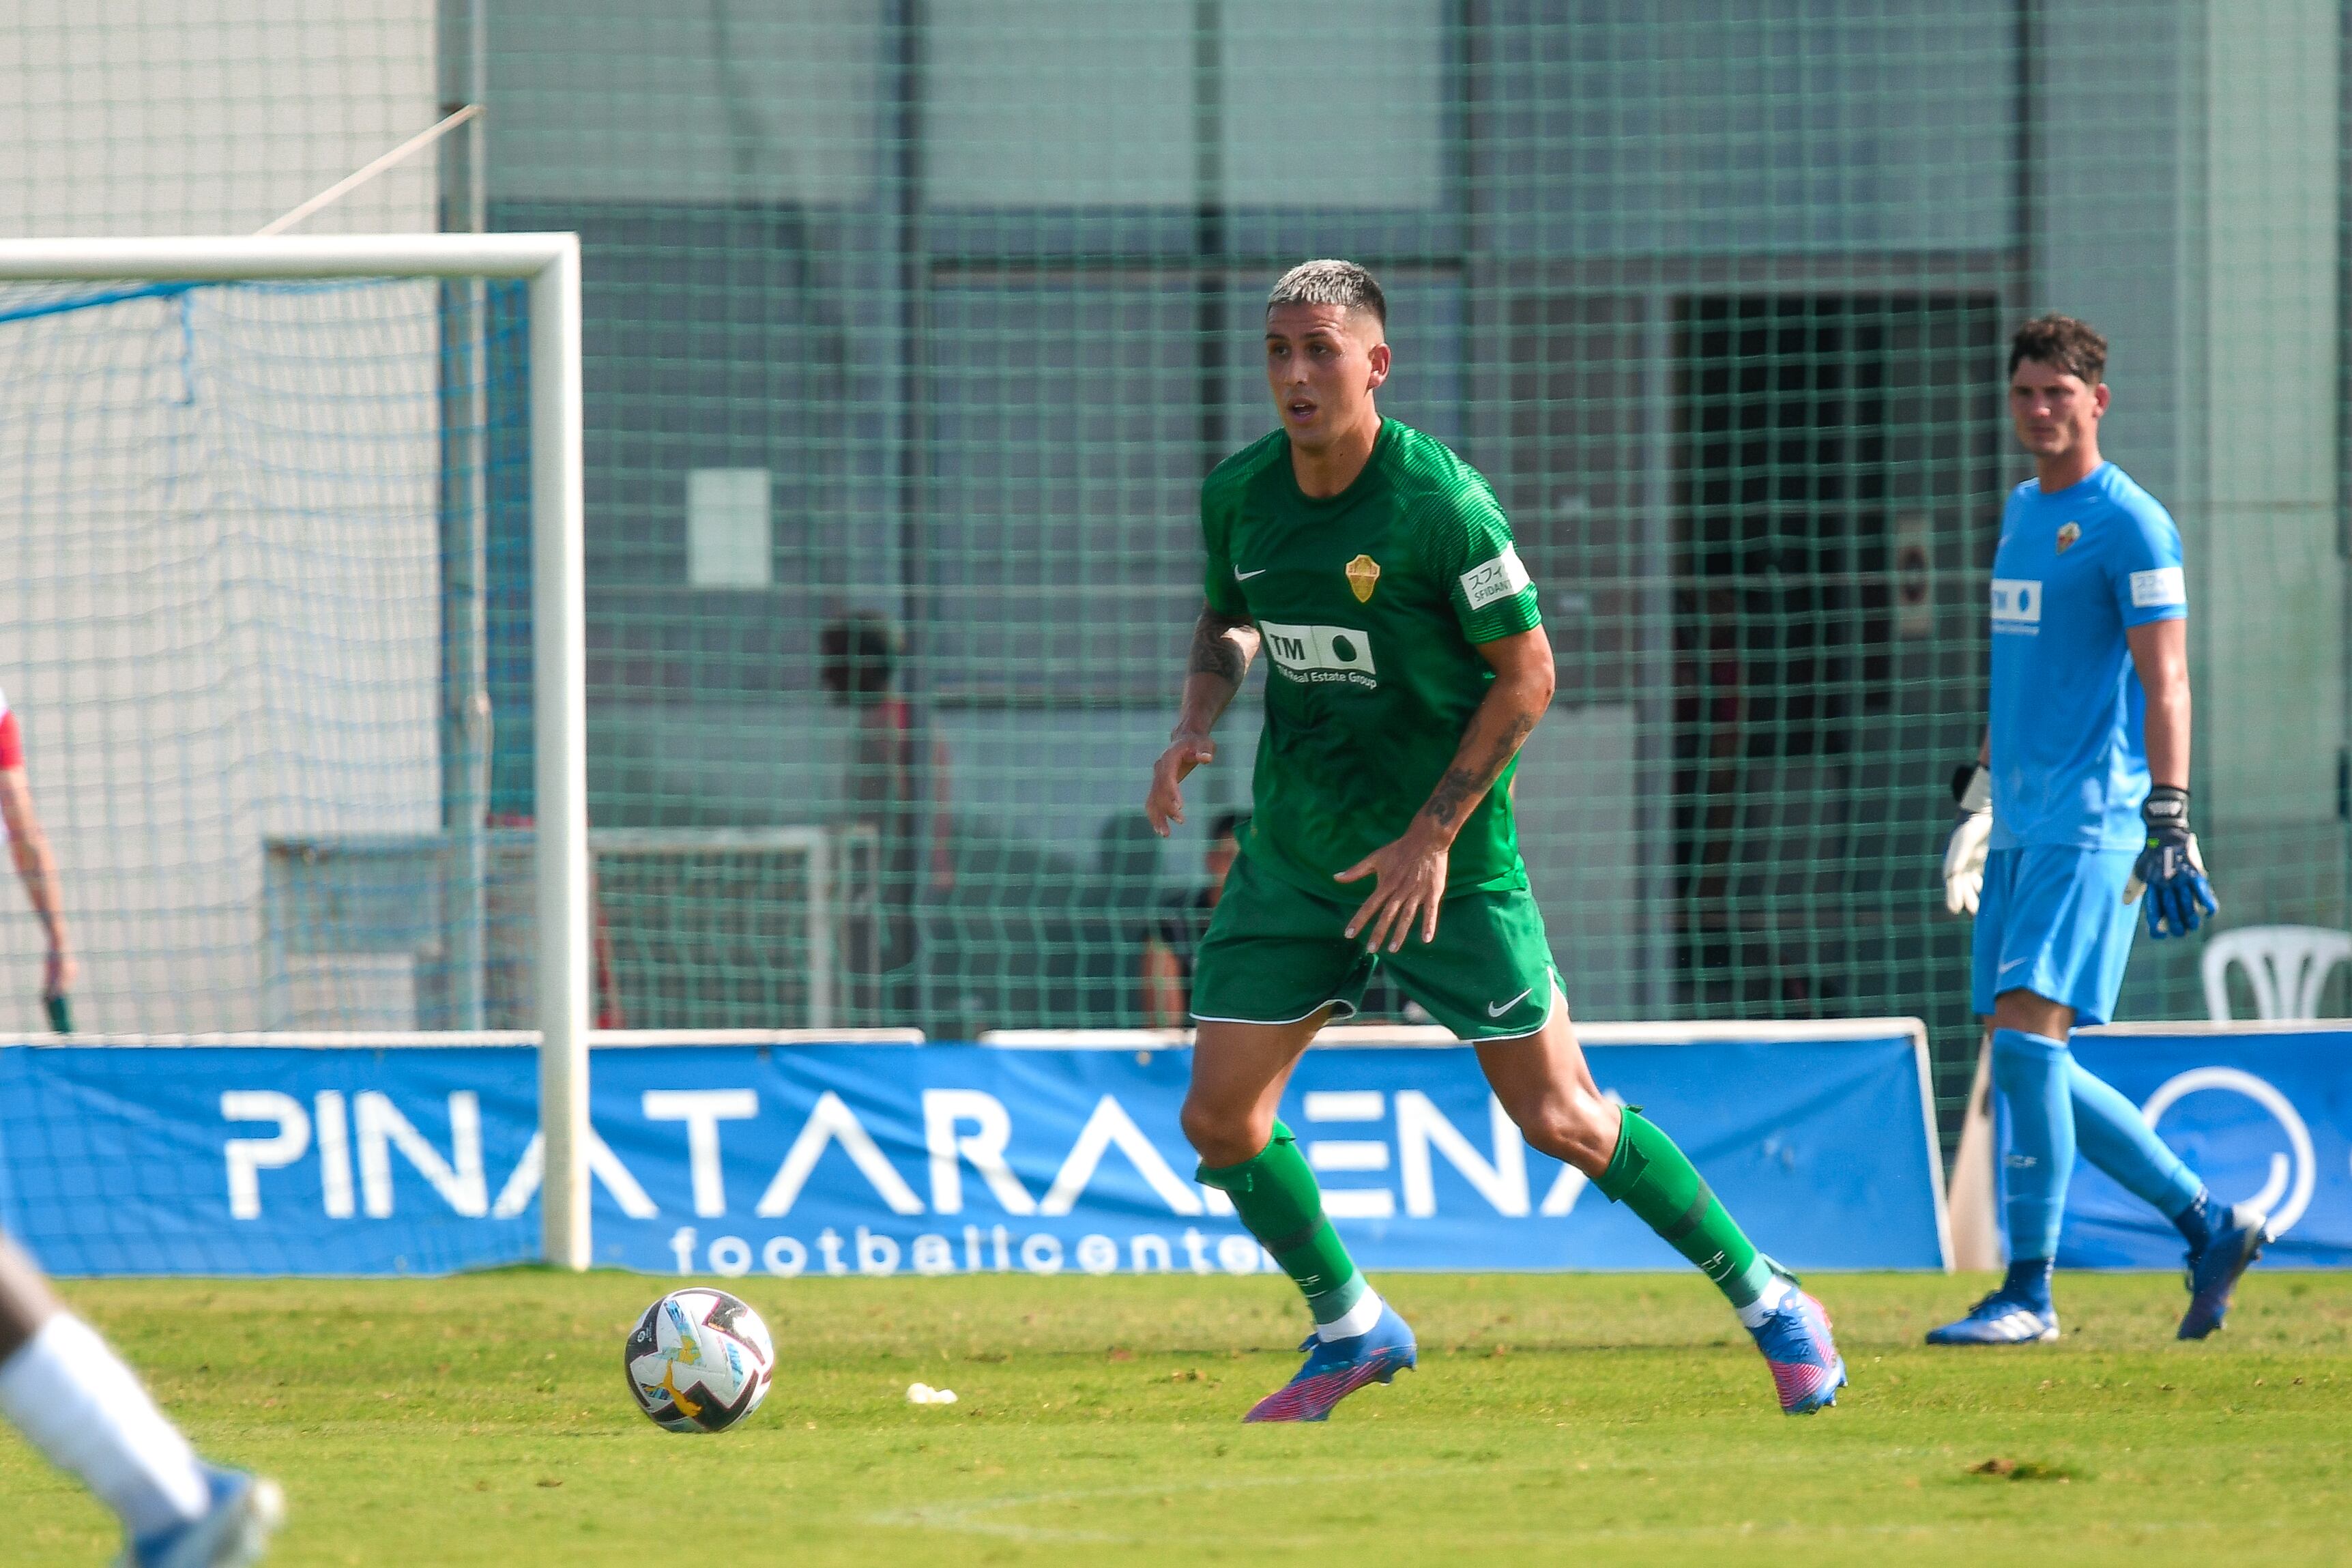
[2001,1319]
[2214,1269]
[1807,1371]
[1336,1368]
[245,1512]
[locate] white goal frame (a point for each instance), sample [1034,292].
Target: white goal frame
[549,263]
[828,856]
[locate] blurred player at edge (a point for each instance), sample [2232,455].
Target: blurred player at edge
[1409,664]
[70,1394]
[2075,809]
[30,847]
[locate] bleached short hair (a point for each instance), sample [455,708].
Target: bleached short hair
[1331,283]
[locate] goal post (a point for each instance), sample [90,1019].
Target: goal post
[550,265]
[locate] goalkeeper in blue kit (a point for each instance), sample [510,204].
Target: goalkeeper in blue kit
[2073,825]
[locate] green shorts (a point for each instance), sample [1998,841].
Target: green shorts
[1276,954]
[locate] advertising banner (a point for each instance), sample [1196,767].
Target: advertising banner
[2262,1112]
[880,1159]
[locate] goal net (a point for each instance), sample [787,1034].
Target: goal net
[228,519]
[294,532]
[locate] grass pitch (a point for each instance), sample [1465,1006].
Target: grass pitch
[1599,1418]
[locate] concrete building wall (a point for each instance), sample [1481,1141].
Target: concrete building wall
[619,101]
[2271,697]
[211,116]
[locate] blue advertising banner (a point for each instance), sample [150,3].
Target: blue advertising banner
[866,1159]
[2262,1113]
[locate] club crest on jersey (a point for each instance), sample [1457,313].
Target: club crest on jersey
[2067,533]
[1363,576]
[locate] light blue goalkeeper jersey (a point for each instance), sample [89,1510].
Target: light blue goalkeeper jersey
[2073,572]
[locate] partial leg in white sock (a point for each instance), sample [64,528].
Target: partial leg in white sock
[74,1398]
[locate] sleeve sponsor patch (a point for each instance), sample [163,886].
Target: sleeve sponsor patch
[1498,579]
[2164,585]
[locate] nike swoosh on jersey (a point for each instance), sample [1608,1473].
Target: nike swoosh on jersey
[2012,963]
[1242,576]
[1496,1009]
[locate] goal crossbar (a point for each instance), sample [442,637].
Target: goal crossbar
[550,264]
[223,258]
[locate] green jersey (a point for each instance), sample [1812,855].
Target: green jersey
[1370,605]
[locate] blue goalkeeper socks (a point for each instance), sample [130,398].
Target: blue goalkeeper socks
[2054,1103]
[2030,1071]
[2028,1281]
[2205,1215]
[2116,1139]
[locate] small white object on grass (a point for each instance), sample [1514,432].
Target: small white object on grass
[924,1393]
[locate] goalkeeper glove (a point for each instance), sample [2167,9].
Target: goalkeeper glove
[2169,870]
[1964,854]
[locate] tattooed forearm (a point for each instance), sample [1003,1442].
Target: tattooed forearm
[1222,650]
[1215,650]
[1465,782]
[1455,791]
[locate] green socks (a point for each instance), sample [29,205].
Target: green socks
[1649,1176]
[1275,1196]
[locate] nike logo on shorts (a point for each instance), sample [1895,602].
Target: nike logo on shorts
[2012,963]
[1242,576]
[1496,1009]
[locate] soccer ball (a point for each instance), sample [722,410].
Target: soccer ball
[698,1361]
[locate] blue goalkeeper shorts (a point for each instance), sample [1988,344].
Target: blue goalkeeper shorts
[2053,922]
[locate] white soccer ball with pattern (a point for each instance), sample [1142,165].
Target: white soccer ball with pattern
[699,1360]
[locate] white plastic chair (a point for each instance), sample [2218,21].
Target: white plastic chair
[2286,965]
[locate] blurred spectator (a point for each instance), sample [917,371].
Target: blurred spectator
[1178,926]
[889,758]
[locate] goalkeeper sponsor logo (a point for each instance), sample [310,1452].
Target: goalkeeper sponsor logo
[2164,585]
[1496,578]
[2016,604]
[1318,654]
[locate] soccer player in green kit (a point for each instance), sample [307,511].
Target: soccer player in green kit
[1375,569]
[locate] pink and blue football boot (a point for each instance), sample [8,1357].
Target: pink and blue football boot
[1336,1368]
[1807,1371]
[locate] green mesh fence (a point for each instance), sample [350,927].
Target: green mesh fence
[913,328]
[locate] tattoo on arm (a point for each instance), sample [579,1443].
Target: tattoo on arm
[1463,785]
[1214,653]
[1454,791]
